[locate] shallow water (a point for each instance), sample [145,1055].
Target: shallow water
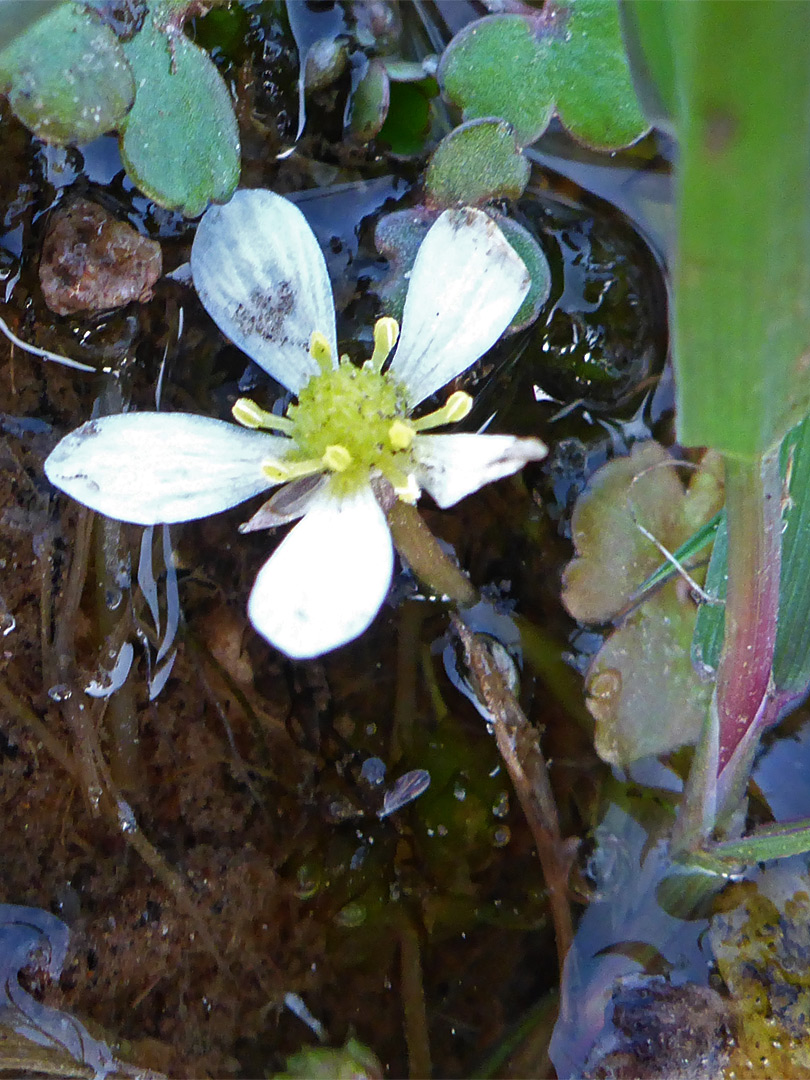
[246,850]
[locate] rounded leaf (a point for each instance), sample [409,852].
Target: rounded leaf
[477,162]
[498,66]
[181,142]
[67,77]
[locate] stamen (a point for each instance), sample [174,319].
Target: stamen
[386,332]
[282,471]
[250,415]
[337,458]
[455,408]
[408,492]
[321,351]
[400,434]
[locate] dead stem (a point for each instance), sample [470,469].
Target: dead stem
[518,745]
[113,626]
[40,731]
[413,1001]
[59,663]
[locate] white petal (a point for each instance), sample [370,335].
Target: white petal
[152,468]
[325,582]
[466,285]
[453,466]
[262,278]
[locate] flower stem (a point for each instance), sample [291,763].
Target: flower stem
[421,550]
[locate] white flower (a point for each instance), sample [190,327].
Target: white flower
[262,277]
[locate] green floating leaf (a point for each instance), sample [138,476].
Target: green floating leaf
[497,66]
[613,555]
[596,99]
[397,236]
[476,163]
[67,77]
[180,142]
[568,58]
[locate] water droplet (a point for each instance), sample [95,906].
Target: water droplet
[60,692]
[500,808]
[7,623]
[501,836]
[460,792]
[113,598]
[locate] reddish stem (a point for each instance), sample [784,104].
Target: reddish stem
[753,508]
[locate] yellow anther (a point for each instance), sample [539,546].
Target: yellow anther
[400,434]
[282,471]
[251,415]
[321,351]
[337,458]
[386,332]
[455,408]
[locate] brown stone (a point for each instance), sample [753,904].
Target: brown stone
[93,262]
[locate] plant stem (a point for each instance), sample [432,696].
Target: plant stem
[519,747]
[421,550]
[413,1001]
[753,508]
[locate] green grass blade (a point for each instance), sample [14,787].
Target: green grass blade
[684,554]
[738,75]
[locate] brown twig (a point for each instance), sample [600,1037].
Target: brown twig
[518,746]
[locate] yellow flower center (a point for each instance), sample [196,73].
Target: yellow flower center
[351,422]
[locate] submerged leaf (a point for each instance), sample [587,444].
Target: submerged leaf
[613,557]
[644,693]
[354,1061]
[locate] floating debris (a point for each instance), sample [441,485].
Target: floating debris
[405,790]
